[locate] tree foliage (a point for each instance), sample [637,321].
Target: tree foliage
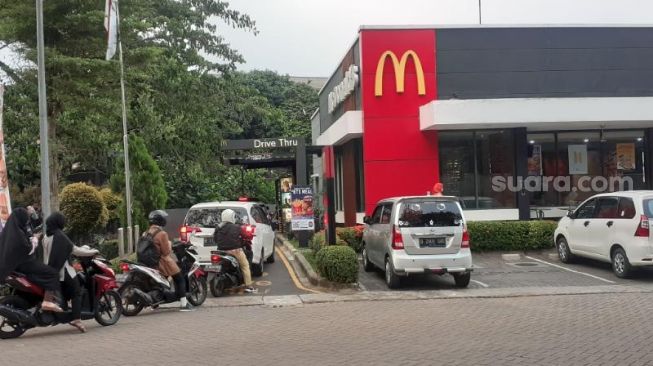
[183,97]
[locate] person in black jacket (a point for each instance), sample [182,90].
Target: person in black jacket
[17,253]
[57,248]
[228,238]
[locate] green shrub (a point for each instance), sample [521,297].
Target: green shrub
[511,235]
[338,264]
[353,236]
[84,210]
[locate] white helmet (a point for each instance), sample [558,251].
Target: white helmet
[228,215]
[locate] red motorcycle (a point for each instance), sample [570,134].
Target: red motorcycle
[20,310]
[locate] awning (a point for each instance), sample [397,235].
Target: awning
[538,113]
[348,126]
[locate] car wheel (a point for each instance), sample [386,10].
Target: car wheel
[391,279]
[257,269]
[620,264]
[271,257]
[563,250]
[367,265]
[462,279]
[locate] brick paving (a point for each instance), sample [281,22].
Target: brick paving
[601,329]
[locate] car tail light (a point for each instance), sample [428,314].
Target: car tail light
[642,228]
[248,231]
[215,258]
[397,239]
[465,243]
[184,231]
[124,267]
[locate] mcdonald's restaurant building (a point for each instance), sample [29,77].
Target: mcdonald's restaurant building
[519,122]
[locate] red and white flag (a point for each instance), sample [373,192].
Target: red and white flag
[111,27]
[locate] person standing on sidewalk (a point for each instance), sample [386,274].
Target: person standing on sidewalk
[228,238]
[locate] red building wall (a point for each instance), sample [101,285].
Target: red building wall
[399,158]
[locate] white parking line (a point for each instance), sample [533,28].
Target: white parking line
[485,285]
[571,270]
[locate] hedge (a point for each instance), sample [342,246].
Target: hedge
[109,249]
[318,241]
[337,264]
[84,209]
[353,236]
[511,235]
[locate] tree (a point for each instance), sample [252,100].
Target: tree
[148,187]
[83,91]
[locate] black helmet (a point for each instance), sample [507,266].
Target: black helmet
[158,217]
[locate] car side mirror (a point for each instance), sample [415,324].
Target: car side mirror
[367,220]
[570,214]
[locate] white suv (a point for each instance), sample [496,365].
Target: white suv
[423,234]
[610,227]
[201,220]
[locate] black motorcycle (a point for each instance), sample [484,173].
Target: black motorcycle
[20,311]
[224,272]
[146,287]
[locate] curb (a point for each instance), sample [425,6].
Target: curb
[304,270]
[498,293]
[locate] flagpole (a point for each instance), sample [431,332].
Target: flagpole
[125,138]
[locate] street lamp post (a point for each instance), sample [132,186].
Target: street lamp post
[43,113]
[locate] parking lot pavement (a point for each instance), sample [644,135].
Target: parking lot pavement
[496,270]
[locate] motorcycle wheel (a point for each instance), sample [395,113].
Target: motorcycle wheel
[217,287]
[11,330]
[128,308]
[196,290]
[109,308]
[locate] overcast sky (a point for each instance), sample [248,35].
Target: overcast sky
[308,37]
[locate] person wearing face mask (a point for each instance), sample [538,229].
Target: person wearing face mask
[57,248]
[17,253]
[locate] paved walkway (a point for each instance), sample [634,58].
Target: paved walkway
[599,329]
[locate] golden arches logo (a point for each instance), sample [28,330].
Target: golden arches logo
[399,66]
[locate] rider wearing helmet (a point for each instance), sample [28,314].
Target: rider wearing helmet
[167,265]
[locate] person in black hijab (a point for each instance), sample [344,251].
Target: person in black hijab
[57,248]
[17,254]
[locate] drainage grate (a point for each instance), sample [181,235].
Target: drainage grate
[526,264]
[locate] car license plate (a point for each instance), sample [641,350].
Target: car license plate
[208,242]
[213,268]
[433,243]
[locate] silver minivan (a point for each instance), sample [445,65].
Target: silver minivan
[419,234]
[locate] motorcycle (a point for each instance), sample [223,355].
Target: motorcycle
[146,287]
[224,272]
[20,310]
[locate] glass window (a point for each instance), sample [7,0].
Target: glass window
[211,217]
[586,211]
[623,156]
[495,155]
[259,215]
[648,208]
[456,150]
[542,162]
[376,216]
[579,155]
[420,213]
[387,213]
[626,208]
[607,209]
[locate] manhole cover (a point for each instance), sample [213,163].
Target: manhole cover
[526,264]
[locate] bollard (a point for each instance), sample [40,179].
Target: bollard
[121,242]
[130,241]
[137,234]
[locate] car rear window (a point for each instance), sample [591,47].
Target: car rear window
[429,213]
[648,208]
[210,217]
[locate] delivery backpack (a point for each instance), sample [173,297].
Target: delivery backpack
[146,252]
